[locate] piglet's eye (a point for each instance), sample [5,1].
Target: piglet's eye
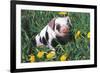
[58,27]
[69,23]
[68,20]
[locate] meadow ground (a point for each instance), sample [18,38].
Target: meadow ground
[32,22]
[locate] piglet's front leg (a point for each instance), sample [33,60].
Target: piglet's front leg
[51,47]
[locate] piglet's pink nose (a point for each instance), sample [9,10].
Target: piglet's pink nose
[65,30]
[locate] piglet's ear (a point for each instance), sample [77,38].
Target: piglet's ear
[52,23]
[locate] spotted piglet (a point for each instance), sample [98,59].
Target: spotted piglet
[57,29]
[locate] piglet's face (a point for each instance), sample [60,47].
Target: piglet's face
[62,26]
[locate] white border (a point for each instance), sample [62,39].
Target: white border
[20,65]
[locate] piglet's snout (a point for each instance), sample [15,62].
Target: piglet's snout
[64,29]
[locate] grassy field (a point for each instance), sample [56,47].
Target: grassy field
[32,22]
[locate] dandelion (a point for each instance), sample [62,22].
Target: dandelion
[88,35]
[50,55]
[64,57]
[32,58]
[77,35]
[63,13]
[40,54]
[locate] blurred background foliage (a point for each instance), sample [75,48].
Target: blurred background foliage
[32,22]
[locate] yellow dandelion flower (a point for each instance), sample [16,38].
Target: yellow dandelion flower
[64,57]
[40,54]
[63,13]
[88,35]
[77,35]
[50,55]
[32,58]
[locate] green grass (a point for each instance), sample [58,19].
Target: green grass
[32,22]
